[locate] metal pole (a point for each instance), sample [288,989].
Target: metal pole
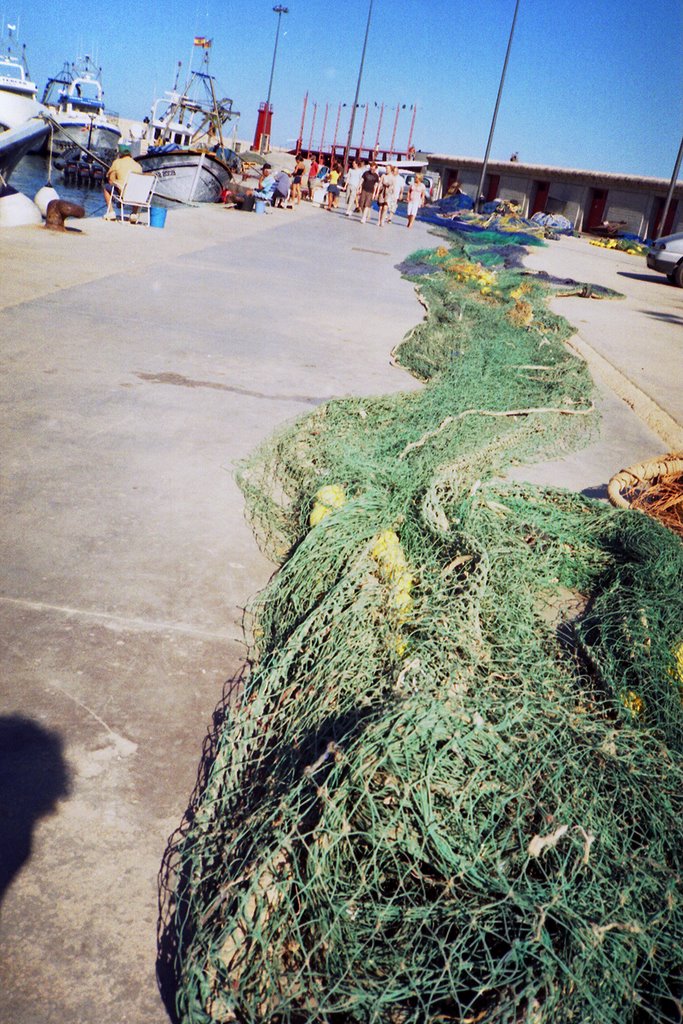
[310,138]
[300,140]
[379,129]
[279,10]
[412,126]
[355,102]
[393,134]
[334,140]
[365,122]
[670,193]
[477,202]
[322,135]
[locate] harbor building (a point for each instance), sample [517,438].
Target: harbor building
[586,198]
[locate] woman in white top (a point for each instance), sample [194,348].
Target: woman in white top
[399,185]
[353,176]
[416,198]
[385,194]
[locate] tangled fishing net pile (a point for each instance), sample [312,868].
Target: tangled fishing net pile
[634,247]
[456,213]
[451,788]
[654,487]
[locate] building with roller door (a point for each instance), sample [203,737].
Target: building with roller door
[587,198]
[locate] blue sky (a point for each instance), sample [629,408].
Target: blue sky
[591,84]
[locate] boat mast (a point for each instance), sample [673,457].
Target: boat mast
[216,114]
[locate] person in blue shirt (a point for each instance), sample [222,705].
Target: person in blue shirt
[266,184]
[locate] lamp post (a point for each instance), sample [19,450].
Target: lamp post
[355,102]
[670,193]
[480,187]
[279,9]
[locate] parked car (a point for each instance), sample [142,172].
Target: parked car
[431,181]
[666,256]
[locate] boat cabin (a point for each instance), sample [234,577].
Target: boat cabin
[14,77]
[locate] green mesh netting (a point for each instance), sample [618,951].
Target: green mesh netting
[451,787]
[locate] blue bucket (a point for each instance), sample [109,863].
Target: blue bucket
[157,216]
[260,206]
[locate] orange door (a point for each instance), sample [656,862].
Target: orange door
[541,190]
[597,201]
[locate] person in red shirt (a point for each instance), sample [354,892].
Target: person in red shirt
[312,175]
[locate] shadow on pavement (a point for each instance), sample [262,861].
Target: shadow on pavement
[33,777]
[655,278]
[670,318]
[599,491]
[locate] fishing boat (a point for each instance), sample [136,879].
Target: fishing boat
[16,142]
[75,101]
[186,141]
[18,94]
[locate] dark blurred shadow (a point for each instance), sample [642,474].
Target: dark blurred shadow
[655,278]
[33,778]
[671,318]
[599,491]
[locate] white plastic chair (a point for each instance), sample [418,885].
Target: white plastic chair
[137,192]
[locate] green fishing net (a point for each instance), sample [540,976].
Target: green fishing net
[450,788]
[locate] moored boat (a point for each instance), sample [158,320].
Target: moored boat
[75,101]
[18,94]
[187,149]
[16,142]
[186,175]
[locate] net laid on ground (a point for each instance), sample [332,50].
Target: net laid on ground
[451,788]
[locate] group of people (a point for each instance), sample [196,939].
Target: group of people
[365,186]
[362,185]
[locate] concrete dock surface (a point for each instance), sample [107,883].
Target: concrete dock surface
[140,365]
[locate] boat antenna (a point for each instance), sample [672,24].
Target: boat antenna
[177,76]
[189,67]
[215,118]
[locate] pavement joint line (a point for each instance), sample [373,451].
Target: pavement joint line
[131,622]
[647,410]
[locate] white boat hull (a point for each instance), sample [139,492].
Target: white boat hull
[17,107]
[187,176]
[15,143]
[101,138]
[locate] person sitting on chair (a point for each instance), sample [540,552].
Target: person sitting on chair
[266,183]
[117,176]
